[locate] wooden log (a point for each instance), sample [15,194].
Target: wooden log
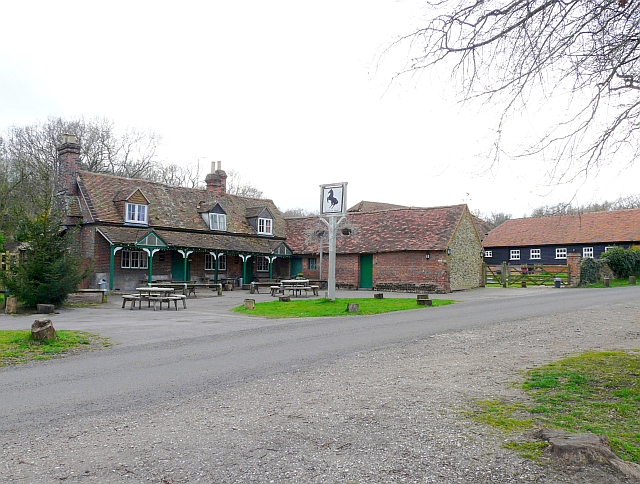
[11,306]
[284,298]
[249,303]
[353,308]
[44,308]
[42,329]
[378,295]
[424,302]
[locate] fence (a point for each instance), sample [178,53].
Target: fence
[524,274]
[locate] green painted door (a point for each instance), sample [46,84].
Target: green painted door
[177,267]
[296,266]
[366,271]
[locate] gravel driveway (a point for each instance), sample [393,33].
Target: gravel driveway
[387,416]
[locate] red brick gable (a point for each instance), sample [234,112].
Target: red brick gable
[170,207]
[404,229]
[604,227]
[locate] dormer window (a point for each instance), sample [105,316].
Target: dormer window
[136,213]
[217,221]
[265,226]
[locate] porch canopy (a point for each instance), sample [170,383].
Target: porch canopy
[186,243]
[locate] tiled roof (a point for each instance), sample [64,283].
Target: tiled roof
[390,230]
[205,241]
[367,207]
[604,227]
[169,207]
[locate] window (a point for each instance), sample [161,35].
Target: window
[134,259]
[514,254]
[209,262]
[262,264]
[607,249]
[488,253]
[561,253]
[136,213]
[312,262]
[587,252]
[264,226]
[217,221]
[534,254]
[222,262]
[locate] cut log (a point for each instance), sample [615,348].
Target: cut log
[284,298]
[378,295]
[44,308]
[249,303]
[42,329]
[353,308]
[11,305]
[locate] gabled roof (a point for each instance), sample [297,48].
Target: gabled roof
[587,228]
[169,207]
[368,207]
[402,229]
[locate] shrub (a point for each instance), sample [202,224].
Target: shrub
[623,262]
[590,271]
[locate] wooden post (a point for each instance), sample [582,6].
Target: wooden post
[632,280]
[605,281]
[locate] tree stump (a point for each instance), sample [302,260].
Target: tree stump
[249,303]
[605,281]
[42,329]
[284,298]
[353,308]
[632,280]
[228,287]
[523,283]
[424,302]
[11,305]
[378,295]
[44,308]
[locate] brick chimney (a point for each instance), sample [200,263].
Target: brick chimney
[216,180]
[69,163]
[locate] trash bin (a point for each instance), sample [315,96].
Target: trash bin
[102,284]
[557,282]
[239,281]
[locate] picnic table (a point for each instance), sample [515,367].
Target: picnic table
[295,287]
[155,295]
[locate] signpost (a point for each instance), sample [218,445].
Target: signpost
[333,205]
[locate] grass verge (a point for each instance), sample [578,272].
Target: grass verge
[311,308]
[597,392]
[18,346]
[612,283]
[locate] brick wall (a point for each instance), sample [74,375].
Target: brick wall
[410,272]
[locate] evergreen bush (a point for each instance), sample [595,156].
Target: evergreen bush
[590,271]
[50,270]
[623,262]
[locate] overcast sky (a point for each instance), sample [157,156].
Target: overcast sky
[290,94]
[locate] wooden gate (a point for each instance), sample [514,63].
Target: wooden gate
[524,274]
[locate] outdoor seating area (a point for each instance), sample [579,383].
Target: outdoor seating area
[154,296]
[294,287]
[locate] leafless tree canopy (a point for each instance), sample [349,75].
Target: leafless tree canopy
[510,51]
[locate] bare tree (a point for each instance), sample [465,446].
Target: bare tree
[236,185]
[521,52]
[299,212]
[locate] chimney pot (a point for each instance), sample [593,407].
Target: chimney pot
[219,165]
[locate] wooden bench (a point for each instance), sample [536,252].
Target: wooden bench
[155,300]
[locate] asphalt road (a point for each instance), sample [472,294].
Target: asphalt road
[167,355]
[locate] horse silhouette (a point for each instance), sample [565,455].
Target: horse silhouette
[331,199]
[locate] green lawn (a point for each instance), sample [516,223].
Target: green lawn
[597,392]
[17,346]
[309,308]
[612,283]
